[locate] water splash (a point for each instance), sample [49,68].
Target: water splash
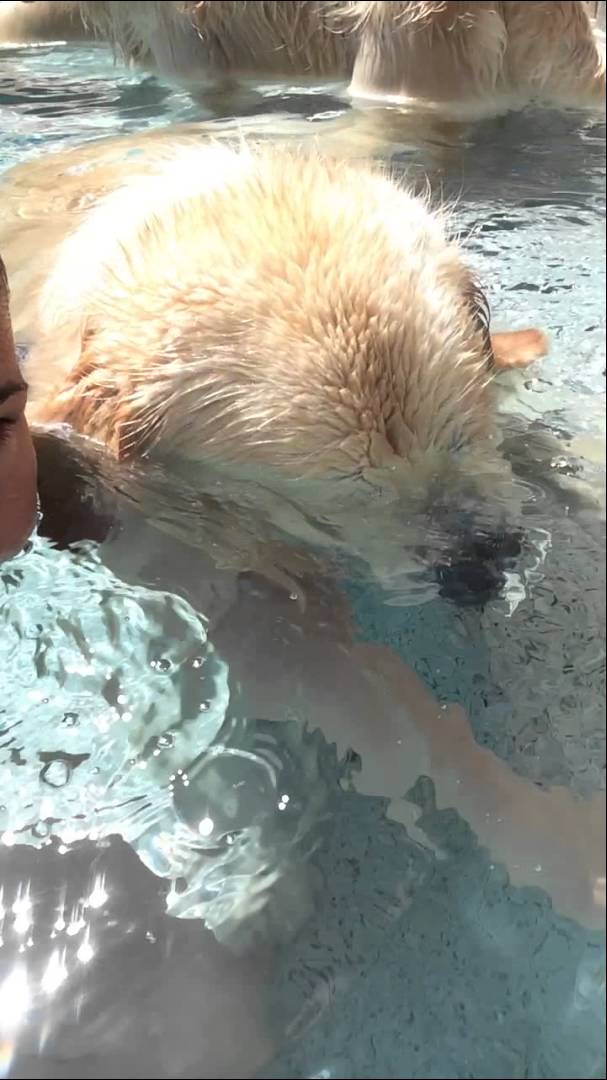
[115,719]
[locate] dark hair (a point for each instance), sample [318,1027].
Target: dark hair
[3,276]
[479,307]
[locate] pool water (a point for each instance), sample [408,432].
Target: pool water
[395,948]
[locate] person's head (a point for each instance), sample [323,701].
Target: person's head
[17,459]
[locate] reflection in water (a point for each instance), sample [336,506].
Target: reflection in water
[105,982]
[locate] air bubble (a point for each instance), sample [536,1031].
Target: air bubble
[166,741]
[161,665]
[55,773]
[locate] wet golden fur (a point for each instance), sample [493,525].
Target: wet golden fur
[42,198]
[302,314]
[43,21]
[463,60]
[297,326]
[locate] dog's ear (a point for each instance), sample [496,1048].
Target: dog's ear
[97,398]
[115,402]
[510,349]
[135,432]
[517,348]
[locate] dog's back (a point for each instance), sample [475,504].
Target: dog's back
[453,58]
[475,59]
[45,20]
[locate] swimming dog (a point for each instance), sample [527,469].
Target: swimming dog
[297,327]
[459,59]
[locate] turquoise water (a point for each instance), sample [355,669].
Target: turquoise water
[386,949]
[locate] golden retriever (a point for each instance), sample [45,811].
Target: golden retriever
[299,328]
[182,281]
[460,59]
[44,21]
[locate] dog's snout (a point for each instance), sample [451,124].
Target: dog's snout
[474,573]
[469,583]
[501,547]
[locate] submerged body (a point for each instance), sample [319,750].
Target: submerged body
[461,60]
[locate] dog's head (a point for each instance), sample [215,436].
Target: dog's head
[299,324]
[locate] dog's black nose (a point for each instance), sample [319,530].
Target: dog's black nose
[469,583]
[474,573]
